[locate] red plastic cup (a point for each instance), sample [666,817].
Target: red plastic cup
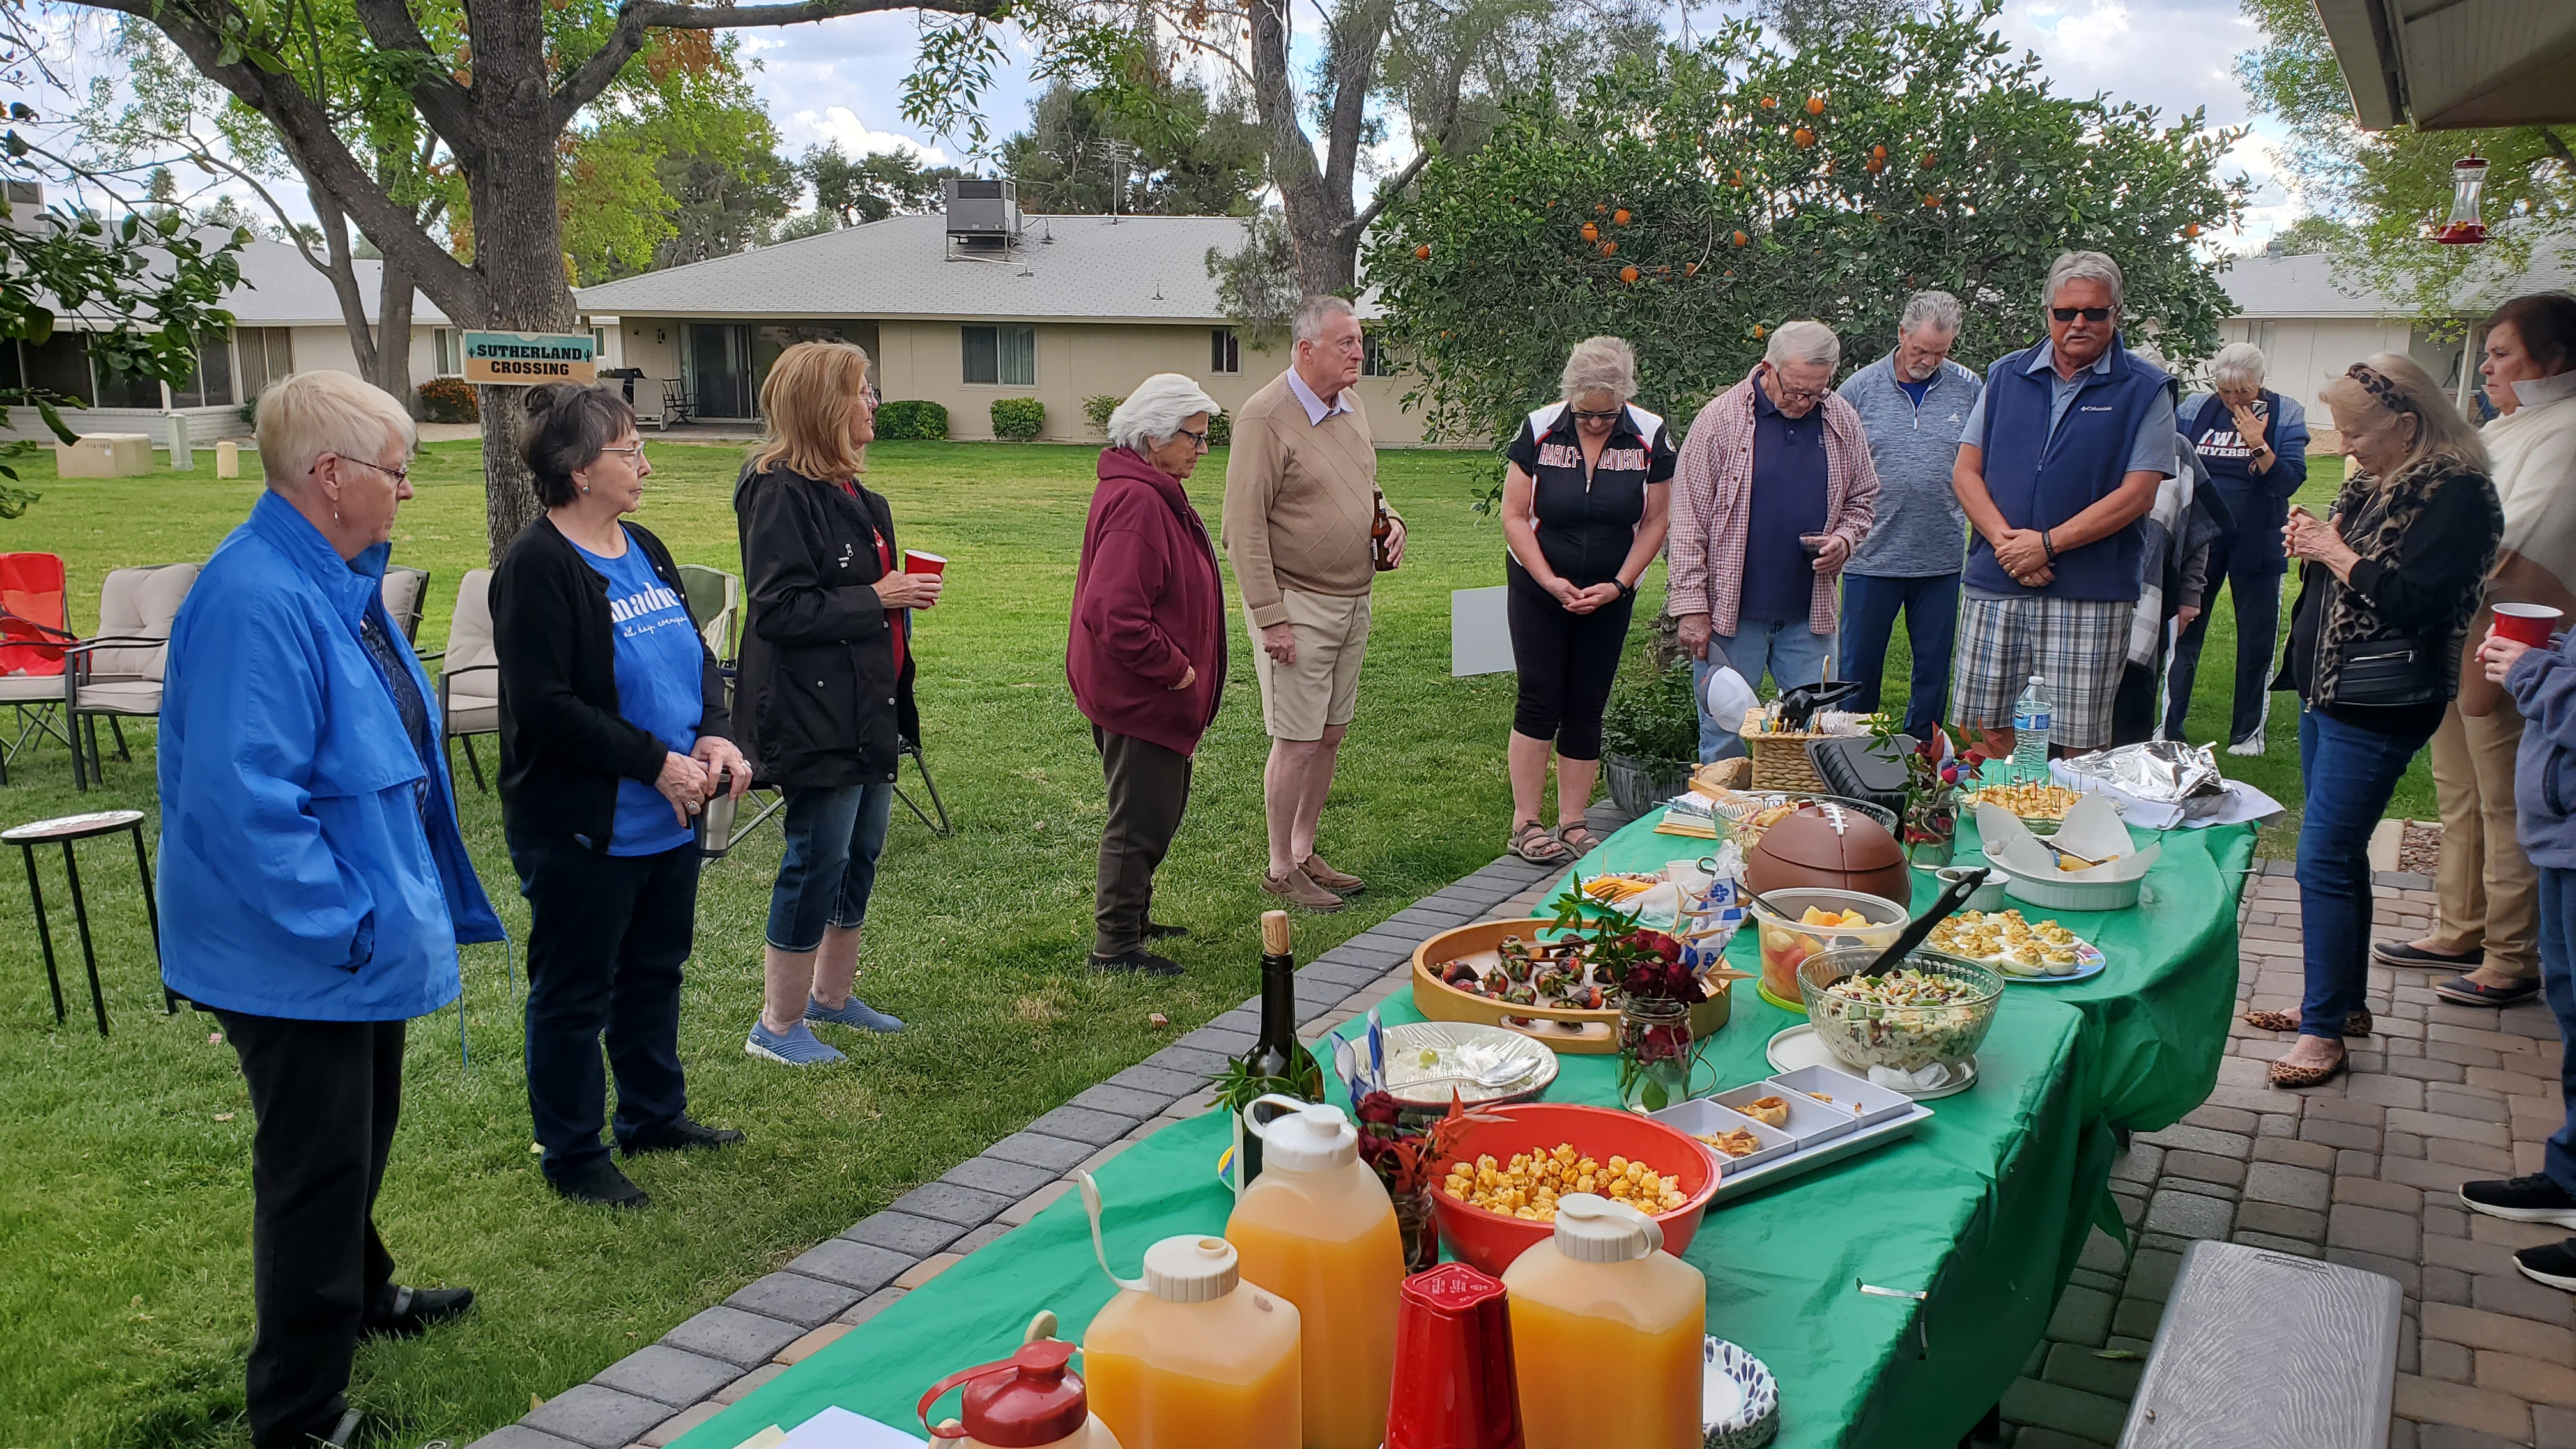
[917,562]
[1455,1387]
[2526,623]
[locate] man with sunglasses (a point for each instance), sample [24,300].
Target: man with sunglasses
[1774,490]
[2059,461]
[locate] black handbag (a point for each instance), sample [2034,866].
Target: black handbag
[2387,673]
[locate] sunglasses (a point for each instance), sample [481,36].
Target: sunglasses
[2089,314]
[1582,416]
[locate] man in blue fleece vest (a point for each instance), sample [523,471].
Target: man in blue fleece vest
[2059,460]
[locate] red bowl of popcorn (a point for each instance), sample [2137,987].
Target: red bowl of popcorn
[1506,1178]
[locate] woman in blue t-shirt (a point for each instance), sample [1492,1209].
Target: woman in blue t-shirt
[614,735]
[2253,443]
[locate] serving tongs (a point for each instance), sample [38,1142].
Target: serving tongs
[1920,929]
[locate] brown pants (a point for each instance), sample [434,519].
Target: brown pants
[2490,894]
[1149,787]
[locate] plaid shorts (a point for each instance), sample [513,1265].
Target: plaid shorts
[2078,645]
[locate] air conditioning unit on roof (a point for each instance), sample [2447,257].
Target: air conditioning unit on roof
[982,210]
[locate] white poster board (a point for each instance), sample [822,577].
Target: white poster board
[1480,632]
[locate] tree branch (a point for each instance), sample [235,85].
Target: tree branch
[442,102]
[635,17]
[1394,188]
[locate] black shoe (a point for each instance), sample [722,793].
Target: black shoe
[1140,961]
[2407,953]
[2533,1199]
[2550,1263]
[602,1185]
[1157,931]
[2466,992]
[678,1134]
[415,1311]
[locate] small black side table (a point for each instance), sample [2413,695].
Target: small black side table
[68,829]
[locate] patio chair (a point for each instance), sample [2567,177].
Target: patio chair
[406,598]
[677,406]
[469,673]
[33,633]
[715,602]
[116,674]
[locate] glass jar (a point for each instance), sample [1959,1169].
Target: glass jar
[1931,853]
[1657,1057]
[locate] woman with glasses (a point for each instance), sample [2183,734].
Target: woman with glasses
[825,684]
[2388,585]
[1146,653]
[614,735]
[1586,495]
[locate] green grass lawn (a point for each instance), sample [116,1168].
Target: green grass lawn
[124,1289]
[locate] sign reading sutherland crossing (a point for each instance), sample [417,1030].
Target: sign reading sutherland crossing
[522,358]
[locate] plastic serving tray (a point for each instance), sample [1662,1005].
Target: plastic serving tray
[1818,1134]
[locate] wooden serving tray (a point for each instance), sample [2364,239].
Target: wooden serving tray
[1564,1029]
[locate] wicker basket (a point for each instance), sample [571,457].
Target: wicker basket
[1780,758]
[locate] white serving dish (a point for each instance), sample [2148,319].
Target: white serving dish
[2093,830]
[1739,1176]
[1702,1117]
[1798,1047]
[1510,1046]
[1870,1104]
[1810,1121]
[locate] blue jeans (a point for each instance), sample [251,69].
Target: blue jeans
[1793,653]
[1931,608]
[2348,773]
[2558,985]
[835,836]
[2249,561]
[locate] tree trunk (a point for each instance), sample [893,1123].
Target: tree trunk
[1319,216]
[392,370]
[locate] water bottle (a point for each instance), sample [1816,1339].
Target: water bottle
[2031,718]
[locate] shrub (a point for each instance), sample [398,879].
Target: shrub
[250,414]
[1220,430]
[1097,411]
[1653,715]
[449,400]
[1018,418]
[912,421]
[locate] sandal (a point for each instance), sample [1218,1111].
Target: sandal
[1534,843]
[1566,835]
[2357,1024]
[2290,1078]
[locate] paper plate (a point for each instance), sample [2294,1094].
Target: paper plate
[1739,1400]
[1799,1046]
[1416,1036]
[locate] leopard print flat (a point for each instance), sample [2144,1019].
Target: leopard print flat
[2357,1024]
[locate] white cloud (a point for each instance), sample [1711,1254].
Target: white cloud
[837,125]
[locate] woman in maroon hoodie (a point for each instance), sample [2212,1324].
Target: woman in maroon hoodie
[1147,652]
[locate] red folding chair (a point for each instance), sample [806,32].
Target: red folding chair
[34,630]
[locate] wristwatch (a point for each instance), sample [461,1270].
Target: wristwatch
[1627,590]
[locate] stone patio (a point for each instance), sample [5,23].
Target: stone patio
[2361,1171]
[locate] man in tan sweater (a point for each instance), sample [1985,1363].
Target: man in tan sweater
[1301,501]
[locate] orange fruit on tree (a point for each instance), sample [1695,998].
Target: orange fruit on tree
[1591,232]
[1619,217]
[1930,160]
[2192,229]
[1929,199]
[1690,269]
[1599,206]
[1878,153]
[1770,103]
[1815,105]
[1875,165]
[1803,137]
[1741,238]
[1628,273]
[1609,248]
[1759,331]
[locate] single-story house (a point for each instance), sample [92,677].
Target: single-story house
[1058,308]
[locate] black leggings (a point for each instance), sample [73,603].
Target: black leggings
[1566,664]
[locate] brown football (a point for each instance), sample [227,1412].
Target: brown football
[1828,845]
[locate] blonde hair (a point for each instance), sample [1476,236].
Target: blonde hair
[2395,384]
[807,398]
[308,414]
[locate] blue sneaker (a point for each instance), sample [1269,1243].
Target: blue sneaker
[794,1047]
[856,1013]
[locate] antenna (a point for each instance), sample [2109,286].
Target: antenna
[1121,156]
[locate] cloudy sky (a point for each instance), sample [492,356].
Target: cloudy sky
[840,81]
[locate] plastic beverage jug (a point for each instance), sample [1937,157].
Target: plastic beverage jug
[1027,1401]
[1618,1322]
[1318,1229]
[1190,1356]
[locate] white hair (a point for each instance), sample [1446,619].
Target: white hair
[1937,310]
[1154,412]
[1599,364]
[1317,311]
[308,414]
[2238,364]
[1805,341]
[2084,267]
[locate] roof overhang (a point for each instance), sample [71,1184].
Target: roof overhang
[2450,65]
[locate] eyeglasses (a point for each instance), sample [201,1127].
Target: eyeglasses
[637,451]
[1199,438]
[873,398]
[2089,314]
[1582,416]
[399,475]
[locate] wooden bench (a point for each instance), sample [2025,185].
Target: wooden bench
[2261,1350]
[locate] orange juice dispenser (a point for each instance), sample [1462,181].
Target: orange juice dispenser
[1030,1400]
[1318,1229]
[1190,1356]
[1605,1307]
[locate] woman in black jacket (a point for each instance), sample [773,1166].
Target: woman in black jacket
[613,735]
[825,684]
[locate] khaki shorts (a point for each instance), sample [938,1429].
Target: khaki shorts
[1322,689]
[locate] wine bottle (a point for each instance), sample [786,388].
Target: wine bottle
[1276,1053]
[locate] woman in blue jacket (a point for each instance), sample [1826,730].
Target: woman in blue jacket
[2253,443]
[313,883]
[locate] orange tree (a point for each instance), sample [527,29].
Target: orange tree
[1693,199]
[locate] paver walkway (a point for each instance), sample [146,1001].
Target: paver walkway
[2361,1171]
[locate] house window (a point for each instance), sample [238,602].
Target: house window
[1373,359]
[59,367]
[125,389]
[1003,356]
[267,356]
[443,350]
[1225,350]
[211,385]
